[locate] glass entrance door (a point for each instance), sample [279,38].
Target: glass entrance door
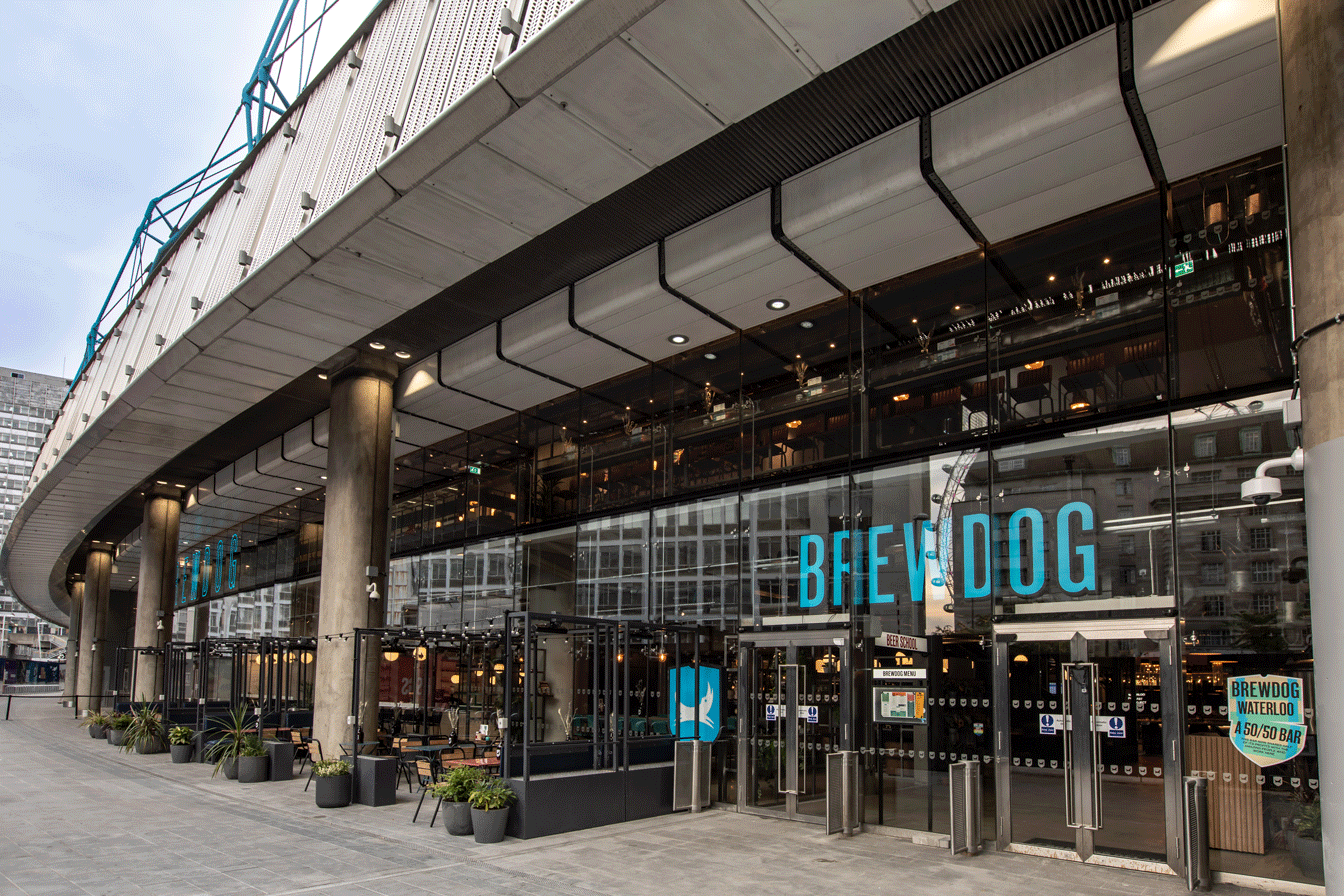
[1092,769]
[795,716]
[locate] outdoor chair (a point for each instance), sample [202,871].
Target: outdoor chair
[424,770]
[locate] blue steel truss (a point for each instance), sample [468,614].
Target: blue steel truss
[262,102]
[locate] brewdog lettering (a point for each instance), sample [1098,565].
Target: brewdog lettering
[1266,716]
[862,554]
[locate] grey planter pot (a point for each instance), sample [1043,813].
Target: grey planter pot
[1309,856]
[180,752]
[97,731]
[456,818]
[153,746]
[116,736]
[488,824]
[230,768]
[254,769]
[334,792]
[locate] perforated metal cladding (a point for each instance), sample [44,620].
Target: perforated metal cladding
[354,119]
[315,124]
[539,13]
[386,92]
[226,211]
[203,261]
[480,39]
[242,230]
[436,69]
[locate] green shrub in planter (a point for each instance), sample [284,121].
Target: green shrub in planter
[180,739]
[455,790]
[253,764]
[96,722]
[232,738]
[490,800]
[144,730]
[116,728]
[333,783]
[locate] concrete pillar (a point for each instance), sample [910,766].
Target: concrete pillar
[72,639]
[354,538]
[93,626]
[155,590]
[1312,53]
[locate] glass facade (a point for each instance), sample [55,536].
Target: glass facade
[937,473]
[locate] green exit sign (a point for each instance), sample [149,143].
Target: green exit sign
[474,470]
[1184,267]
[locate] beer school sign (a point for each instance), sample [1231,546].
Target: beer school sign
[825,562]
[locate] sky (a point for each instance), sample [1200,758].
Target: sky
[110,103]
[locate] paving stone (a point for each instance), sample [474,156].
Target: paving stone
[85,819]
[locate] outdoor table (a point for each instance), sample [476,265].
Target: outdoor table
[435,753]
[490,763]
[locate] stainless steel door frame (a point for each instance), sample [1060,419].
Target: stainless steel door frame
[1078,633]
[789,685]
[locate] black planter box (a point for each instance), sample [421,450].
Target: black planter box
[334,792]
[376,780]
[282,759]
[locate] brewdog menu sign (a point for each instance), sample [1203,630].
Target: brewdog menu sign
[1266,716]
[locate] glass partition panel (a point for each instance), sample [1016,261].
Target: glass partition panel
[798,549]
[612,567]
[923,337]
[488,577]
[1076,317]
[1228,255]
[909,570]
[547,564]
[1247,641]
[695,562]
[1078,523]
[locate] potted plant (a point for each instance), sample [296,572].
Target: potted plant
[1307,851]
[253,763]
[490,800]
[144,730]
[179,743]
[333,783]
[233,734]
[96,722]
[116,728]
[455,790]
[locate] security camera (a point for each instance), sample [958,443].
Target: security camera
[1261,490]
[1264,488]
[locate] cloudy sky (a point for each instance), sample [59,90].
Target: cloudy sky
[109,103]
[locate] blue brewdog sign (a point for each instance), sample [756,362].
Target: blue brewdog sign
[1266,716]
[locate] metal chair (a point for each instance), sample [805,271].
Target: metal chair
[425,772]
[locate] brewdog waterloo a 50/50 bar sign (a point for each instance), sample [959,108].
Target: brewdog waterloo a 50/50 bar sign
[1266,716]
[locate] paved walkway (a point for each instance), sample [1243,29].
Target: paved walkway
[81,817]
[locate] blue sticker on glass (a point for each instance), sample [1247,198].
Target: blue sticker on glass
[706,705]
[1265,712]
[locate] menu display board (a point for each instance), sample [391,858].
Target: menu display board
[897,704]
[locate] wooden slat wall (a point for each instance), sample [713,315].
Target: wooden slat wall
[1236,810]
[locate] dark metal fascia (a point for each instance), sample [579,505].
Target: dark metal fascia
[1124,47]
[312,428]
[580,328]
[777,231]
[958,211]
[718,319]
[438,376]
[499,353]
[941,189]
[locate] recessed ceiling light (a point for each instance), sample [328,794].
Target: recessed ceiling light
[298,488]
[321,376]
[403,355]
[377,346]
[677,339]
[1105,261]
[710,356]
[904,396]
[1051,278]
[324,476]
[777,304]
[806,324]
